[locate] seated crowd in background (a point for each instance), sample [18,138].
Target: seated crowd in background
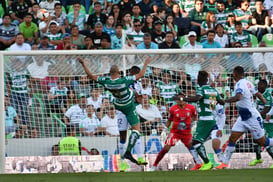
[73,25]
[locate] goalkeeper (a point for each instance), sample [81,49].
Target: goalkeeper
[123,99]
[181,115]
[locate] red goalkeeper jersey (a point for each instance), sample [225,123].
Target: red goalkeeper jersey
[182,119]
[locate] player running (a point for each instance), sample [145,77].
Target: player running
[206,98]
[123,98]
[249,118]
[181,115]
[267,121]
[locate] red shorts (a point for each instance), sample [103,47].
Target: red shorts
[173,138]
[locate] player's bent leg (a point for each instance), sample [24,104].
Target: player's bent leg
[131,143]
[199,147]
[257,150]
[216,147]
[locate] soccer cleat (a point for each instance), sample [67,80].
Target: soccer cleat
[206,167]
[141,161]
[153,168]
[271,167]
[255,162]
[123,166]
[128,155]
[222,166]
[196,167]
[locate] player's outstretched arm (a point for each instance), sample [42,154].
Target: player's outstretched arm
[143,70]
[235,98]
[261,97]
[87,71]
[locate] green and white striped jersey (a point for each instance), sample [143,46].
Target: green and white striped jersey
[207,104]
[268,98]
[119,88]
[167,91]
[19,80]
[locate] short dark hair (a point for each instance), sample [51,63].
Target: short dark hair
[6,14]
[169,32]
[238,23]
[210,31]
[97,3]
[202,77]
[28,14]
[57,4]
[263,81]
[70,128]
[35,4]
[239,70]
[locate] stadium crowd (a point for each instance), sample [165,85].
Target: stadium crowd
[148,24]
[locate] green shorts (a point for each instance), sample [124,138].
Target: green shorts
[203,130]
[130,112]
[268,127]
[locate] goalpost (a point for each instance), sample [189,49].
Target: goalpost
[182,65]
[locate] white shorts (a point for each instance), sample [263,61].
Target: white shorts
[253,124]
[213,134]
[122,121]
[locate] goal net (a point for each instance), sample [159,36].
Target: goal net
[42,89]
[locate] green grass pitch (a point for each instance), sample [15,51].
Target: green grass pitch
[238,175]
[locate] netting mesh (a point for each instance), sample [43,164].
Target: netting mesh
[41,90]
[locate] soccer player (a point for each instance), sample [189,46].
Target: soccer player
[181,115]
[123,98]
[267,121]
[207,98]
[249,118]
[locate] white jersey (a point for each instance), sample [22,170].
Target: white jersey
[220,116]
[247,89]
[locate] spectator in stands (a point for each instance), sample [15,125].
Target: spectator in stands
[185,7]
[243,15]
[66,43]
[55,37]
[207,25]
[210,43]
[167,88]
[48,5]
[90,125]
[158,36]
[155,77]
[260,21]
[148,24]
[94,151]
[260,58]
[147,43]
[44,44]
[220,36]
[147,7]
[88,44]
[38,70]
[116,13]
[149,115]
[70,99]
[109,122]
[155,98]
[127,21]
[169,42]
[109,26]
[19,132]
[56,97]
[55,150]
[76,112]
[221,13]
[137,15]
[137,33]
[82,86]
[239,59]
[95,98]
[8,32]
[230,25]
[60,17]
[98,34]
[105,44]
[29,29]
[70,140]
[192,43]
[231,5]
[32,133]
[167,5]
[10,117]
[95,17]
[76,17]
[50,80]
[20,45]
[18,10]
[146,87]
[170,26]
[240,36]
[44,26]
[126,5]
[18,82]
[116,39]
[211,5]
[76,38]
[198,15]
